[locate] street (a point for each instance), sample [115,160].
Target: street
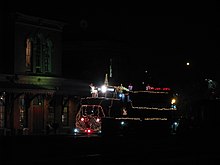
[63,149]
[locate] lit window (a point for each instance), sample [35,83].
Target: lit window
[28,53]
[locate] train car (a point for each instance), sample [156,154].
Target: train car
[152,111]
[129,112]
[93,110]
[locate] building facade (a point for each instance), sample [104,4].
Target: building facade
[34,97]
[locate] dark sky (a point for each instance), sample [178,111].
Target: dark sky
[159,38]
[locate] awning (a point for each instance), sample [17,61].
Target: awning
[23,88]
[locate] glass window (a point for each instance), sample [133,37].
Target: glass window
[28,53]
[47,55]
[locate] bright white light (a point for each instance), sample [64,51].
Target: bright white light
[111,89]
[187,63]
[75,130]
[122,123]
[103,89]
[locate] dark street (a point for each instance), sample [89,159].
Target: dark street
[62,149]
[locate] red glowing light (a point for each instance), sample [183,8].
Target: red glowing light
[88,131]
[157,88]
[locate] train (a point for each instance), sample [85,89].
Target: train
[127,112]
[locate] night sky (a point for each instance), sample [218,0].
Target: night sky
[159,39]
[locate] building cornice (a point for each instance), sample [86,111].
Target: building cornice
[38,22]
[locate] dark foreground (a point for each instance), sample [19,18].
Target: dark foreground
[61,149]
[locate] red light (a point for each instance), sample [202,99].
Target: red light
[157,89]
[88,131]
[82,119]
[166,89]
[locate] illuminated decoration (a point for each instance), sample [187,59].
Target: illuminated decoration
[154,99]
[150,88]
[122,123]
[121,92]
[174,127]
[128,118]
[139,119]
[124,112]
[110,68]
[106,80]
[141,106]
[88,131]
[76,130]
[130,87]
[150,91]
[94,90]
[92,111]
[173,101]
[110,89]
[154,108]
[121,89]
[120,95]
[103,89]
[88,119]
[155,118]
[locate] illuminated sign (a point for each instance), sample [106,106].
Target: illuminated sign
[149,88]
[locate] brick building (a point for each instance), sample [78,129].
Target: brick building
[33,92]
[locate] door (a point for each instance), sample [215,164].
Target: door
[38,120]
